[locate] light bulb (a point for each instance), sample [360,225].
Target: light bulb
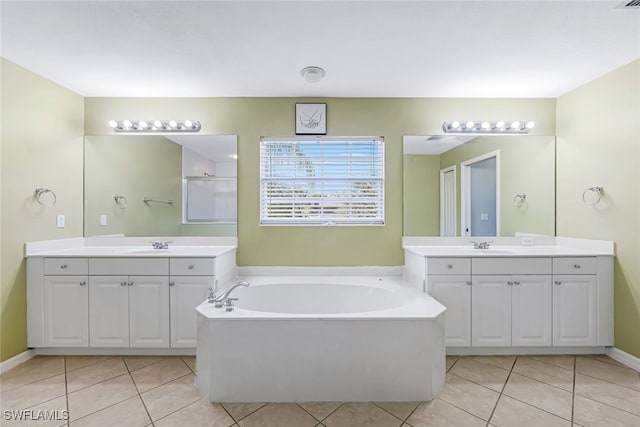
[455,125]
[127,124]
[143,124]
[515,125]
[530,125]
[173,124]
[469,125]
[113,124]
[157,124]
[188,123]
[500,124]
[485,125]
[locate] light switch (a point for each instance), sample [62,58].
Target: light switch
[103,219]
[60,221]
[484,217]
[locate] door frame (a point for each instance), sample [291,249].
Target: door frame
[465,190]
[455,199]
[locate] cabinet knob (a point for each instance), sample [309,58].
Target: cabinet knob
[123,283]
[517,283]
[172,283]
[130,283]
[83,283]
[449,266]
[576,265]
[557,282]
[510,283]
[469,282]
[190,267]
[63,266]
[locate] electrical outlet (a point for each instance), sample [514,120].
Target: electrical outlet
[526,241]
[103,219]
[60,221]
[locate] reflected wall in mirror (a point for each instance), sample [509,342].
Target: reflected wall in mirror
[440,198]
[189,182]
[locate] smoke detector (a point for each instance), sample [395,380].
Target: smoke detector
[312,74]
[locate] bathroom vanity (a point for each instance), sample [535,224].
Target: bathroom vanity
[551,298]
[122,298]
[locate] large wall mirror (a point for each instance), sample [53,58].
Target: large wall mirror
[478,185]
[160,185]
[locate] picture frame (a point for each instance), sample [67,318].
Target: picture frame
[311,119]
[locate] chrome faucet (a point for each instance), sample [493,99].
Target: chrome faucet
[481,245]
[223,299]
[159,245]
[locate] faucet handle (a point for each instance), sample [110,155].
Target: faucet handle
[228,304]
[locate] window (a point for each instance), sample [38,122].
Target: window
[322,181]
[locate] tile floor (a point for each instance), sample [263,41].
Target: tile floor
[483,391]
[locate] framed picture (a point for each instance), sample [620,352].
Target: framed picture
[311,119]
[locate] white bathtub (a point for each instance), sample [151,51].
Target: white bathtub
[322,339]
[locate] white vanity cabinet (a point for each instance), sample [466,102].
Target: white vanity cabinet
[134,305]
[188,286]
[449,281]
[552,303]
[129,302]
[575,293]
[64,299]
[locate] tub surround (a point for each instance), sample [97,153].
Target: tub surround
[118,295]
[322,349]
[553,297]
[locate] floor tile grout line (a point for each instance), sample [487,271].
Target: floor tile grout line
[616,365]
[609,405]
[33,382]
[333,412]
[163,359]
[250,413]
[99,382]
[543,382]
[66,391]
[159,385]
[172,412]
[607,381]
[501,391]
[228,413]
[144,405]
[388,412]
[90,364]
[313,416]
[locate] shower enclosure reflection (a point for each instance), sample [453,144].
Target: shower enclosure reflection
[160,185]
[474,185]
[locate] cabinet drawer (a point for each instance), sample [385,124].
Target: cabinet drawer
[575,265]
[129,266]
[448,266]
[65,266]
[511,266]
[192,266]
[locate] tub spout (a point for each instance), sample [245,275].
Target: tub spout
[219,301]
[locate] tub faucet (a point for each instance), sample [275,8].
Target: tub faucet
[481,245]
[220,301]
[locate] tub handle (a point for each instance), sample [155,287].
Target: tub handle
[228,304]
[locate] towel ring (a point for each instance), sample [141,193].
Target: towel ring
[120,200]
[40,191]
[519,199]
[595,189]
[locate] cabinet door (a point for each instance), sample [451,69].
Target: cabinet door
[186,293]
[109,311]
[454,292]
[574,310]
[491,311]
[149,311]
[66,311]
[531,310]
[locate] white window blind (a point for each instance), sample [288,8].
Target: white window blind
[322,181]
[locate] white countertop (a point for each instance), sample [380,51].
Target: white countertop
[136,251]
[502,251]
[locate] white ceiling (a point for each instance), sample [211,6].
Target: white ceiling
[368,48]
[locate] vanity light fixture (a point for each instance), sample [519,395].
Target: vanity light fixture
[488,127]
[151,126]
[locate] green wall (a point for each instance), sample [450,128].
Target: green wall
[598,143]
[42,129]
[251,118]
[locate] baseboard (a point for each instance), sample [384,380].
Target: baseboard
[16,360]
[624,358]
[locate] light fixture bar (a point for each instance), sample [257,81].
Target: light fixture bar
[500,127]
[154,126]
